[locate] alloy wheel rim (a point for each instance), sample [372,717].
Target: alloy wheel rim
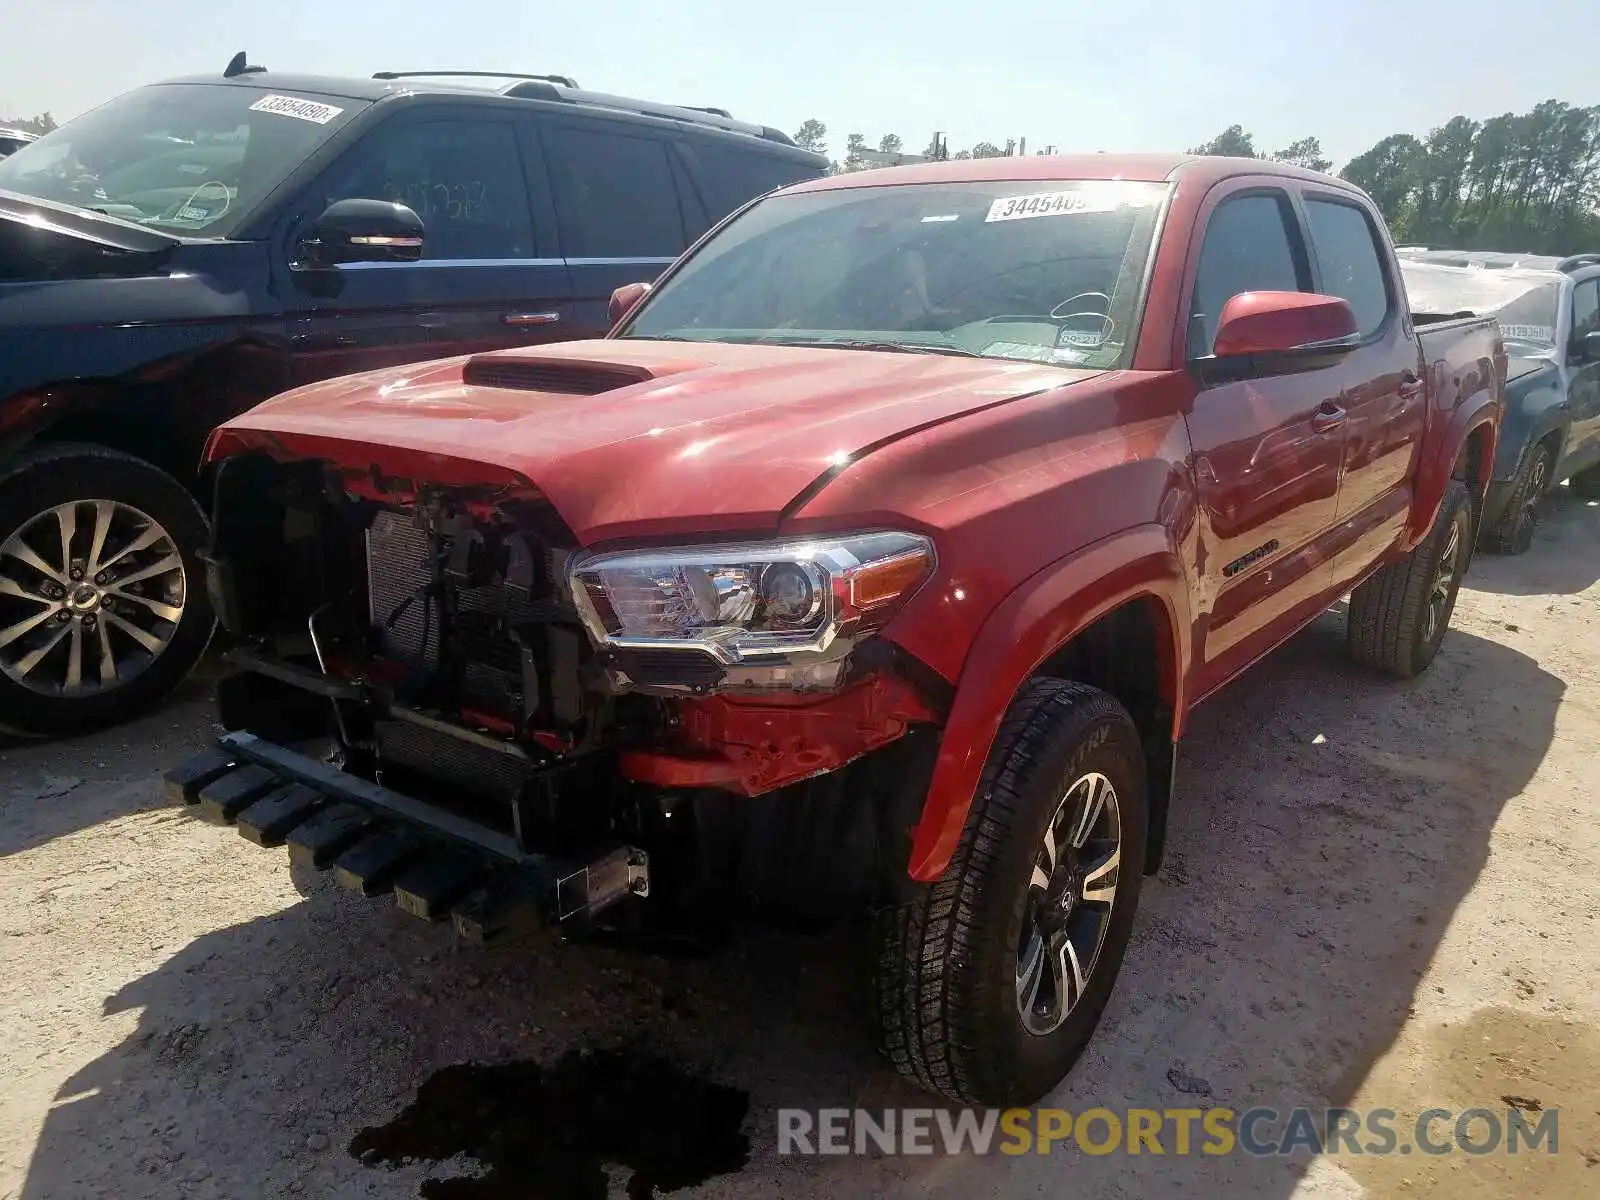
[1442,594]
[91,593]
[1071,892]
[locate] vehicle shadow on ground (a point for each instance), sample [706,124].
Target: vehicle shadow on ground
[1563,560]
[1329,824]
[51,788]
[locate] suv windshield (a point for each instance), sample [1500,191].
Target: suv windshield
[193,159]
[1037,271]
[1526,305]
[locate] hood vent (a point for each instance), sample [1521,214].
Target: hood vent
[569,377]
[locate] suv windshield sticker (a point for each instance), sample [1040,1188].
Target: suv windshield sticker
[1050,204]
[1530,333]
[300,110]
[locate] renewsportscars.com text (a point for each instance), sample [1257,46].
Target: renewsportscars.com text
[1259,1132]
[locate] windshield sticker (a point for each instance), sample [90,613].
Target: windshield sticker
[941,218]
[1027,350]
[193,213]
[300,110]
[1050,204]
[1530,333]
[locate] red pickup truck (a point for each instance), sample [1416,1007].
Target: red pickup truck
[876,558]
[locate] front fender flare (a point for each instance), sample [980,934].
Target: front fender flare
[1022,633]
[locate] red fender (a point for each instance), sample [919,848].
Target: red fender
[1466,403]
[1035,621]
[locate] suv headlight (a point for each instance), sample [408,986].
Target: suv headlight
[749,601]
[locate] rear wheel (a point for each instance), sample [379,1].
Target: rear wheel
[990,982]
[1398,617]
[102,605]
[1513,532]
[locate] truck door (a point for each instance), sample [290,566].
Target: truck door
[483,282]
[1382,403]
[624,204]
[1266,462]
[1583,375]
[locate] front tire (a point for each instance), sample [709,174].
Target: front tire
[1399,616]
[103,606]
[992,980]
[1513,532]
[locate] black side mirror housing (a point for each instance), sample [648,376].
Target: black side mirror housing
[1589,346]
[351,231]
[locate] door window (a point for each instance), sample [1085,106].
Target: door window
[463,178]
[1585,309]
[615,194]
[1247,248]
[1348,256]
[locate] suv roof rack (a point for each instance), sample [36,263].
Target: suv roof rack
[1574,261]
[563,80]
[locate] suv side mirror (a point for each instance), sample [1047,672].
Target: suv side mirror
[1273,322]
[624,299]
[351,231]
[1589,346]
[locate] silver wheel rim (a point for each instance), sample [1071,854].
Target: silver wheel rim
[1071,892]
[1442,595]
[91,593]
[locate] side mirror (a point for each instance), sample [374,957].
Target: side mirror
[625,298]
[1589,346]
[350,231]
[1268,322]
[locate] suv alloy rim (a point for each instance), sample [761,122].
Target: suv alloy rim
[91,593]
[1070,896]
[1440,598]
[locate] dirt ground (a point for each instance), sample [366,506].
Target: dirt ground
[1376,894]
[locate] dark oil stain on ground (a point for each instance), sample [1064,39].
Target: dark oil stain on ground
[548,1133]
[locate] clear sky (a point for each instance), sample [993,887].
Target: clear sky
[1117,75]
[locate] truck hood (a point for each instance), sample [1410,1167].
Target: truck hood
[40,240]
[635,438]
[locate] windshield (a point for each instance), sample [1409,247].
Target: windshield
[192,159]
[1525,305]
[1041,272]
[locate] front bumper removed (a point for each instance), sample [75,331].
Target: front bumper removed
[438,865]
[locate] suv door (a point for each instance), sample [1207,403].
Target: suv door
[1583,379]
[482,284]
[624,207]
[1381,400]
[1266,469]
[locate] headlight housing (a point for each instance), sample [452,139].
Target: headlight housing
[749,602]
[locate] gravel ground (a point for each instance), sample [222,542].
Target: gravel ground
[1376,894]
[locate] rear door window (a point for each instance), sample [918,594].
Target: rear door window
[616,193]
[1248,247]
[1349,260]
[463,178]
[737,174]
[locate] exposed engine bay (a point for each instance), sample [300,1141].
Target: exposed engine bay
[440,644]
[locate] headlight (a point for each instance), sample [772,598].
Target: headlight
[751,601]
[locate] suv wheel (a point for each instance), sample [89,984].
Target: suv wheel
[1513,532]
[103,607]
[992,980]
[1398,617]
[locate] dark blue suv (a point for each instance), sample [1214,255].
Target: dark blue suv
[193,247]
[1549,311]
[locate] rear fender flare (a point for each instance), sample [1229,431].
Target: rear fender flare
[1022,633]
[1443,449]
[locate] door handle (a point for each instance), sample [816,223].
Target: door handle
[1410,386]
[1329,416]
[523,319]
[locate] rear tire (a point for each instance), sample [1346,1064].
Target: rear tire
[1513,532]
[978,998]
[103,606]
[1586,484]
[1399,616]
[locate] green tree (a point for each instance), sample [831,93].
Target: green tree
[987,150]
[855,144]
[1232,142]
[812,135]
[1307,153]
[890,143]
[41,124]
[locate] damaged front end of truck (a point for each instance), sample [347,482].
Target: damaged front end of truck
[437,693]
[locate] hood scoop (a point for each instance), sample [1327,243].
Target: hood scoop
[564,376]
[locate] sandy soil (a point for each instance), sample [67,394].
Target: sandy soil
[1376,894]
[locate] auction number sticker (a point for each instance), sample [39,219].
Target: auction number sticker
[1530,333]
[300,110]
[1050,204]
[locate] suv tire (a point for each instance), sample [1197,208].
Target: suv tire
[1513,532]
[103,606]
[1398,617]
[972,972]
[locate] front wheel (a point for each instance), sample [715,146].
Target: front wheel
[103,608]
[991,981]
[1513,532]
[1398,617]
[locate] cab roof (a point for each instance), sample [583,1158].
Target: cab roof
[1139,168]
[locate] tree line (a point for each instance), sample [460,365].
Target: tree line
[43,123]
[1527,182]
